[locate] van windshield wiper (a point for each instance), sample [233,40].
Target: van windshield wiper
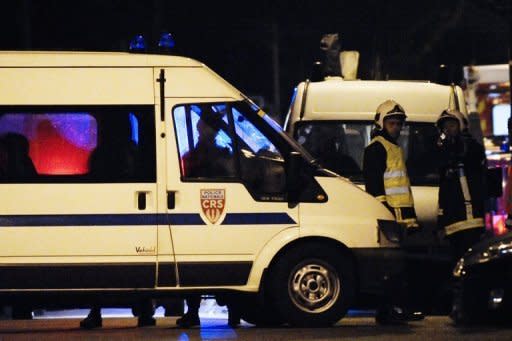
[321,169]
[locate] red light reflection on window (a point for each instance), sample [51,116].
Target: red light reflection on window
[60,143]
[52,154]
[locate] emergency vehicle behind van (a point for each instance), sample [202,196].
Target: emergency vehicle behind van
[333,120]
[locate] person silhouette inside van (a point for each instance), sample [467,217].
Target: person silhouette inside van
[327,144]
[20,165]
[207,159]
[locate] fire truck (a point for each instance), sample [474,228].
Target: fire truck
[488,97]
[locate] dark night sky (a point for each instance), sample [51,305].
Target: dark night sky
[234,38]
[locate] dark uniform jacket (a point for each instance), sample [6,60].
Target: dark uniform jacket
[461,209]
[208,160]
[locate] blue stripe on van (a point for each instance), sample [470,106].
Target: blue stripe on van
[257,219]
[101,219]
[141,219]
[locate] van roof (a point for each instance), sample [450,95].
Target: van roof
[91,59]
[103,77]
[358,100]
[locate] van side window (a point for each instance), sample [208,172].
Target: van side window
[335,145]
[339,146]
[77,144]
[220,142]
[204,141]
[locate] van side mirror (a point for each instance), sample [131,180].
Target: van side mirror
[293,170]
[494,180]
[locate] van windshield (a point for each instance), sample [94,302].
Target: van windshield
[339,147]
[276,128]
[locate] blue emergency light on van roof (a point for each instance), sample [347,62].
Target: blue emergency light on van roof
[166,41]
[138,44]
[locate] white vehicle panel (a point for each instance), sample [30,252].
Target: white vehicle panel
[76,86]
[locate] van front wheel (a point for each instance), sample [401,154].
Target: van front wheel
[312,286]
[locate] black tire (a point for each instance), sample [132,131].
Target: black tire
[312,285]
[257,311]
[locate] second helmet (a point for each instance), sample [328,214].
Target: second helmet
[387,109]
[452,114]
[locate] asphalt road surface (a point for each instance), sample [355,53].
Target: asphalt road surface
[362,328]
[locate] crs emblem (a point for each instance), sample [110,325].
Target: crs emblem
[213,203]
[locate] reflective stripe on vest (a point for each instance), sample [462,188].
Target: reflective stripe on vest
[464,225]
[394,174]
[396,190]
[396,182]
[465,191]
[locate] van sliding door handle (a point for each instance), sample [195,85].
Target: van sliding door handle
[171,200]
[141,200]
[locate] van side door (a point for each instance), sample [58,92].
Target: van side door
[226,187]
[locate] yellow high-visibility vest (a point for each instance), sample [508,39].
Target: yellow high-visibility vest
[396,182]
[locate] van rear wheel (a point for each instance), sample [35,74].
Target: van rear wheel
[312,286]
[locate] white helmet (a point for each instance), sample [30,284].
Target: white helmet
[387,109]
[452,114]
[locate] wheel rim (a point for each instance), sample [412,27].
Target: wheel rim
[314,286]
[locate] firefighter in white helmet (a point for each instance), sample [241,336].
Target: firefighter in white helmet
[462,182]
[384,169]
[385,176]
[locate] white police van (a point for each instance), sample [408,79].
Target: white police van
[97,204]
[333,120]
